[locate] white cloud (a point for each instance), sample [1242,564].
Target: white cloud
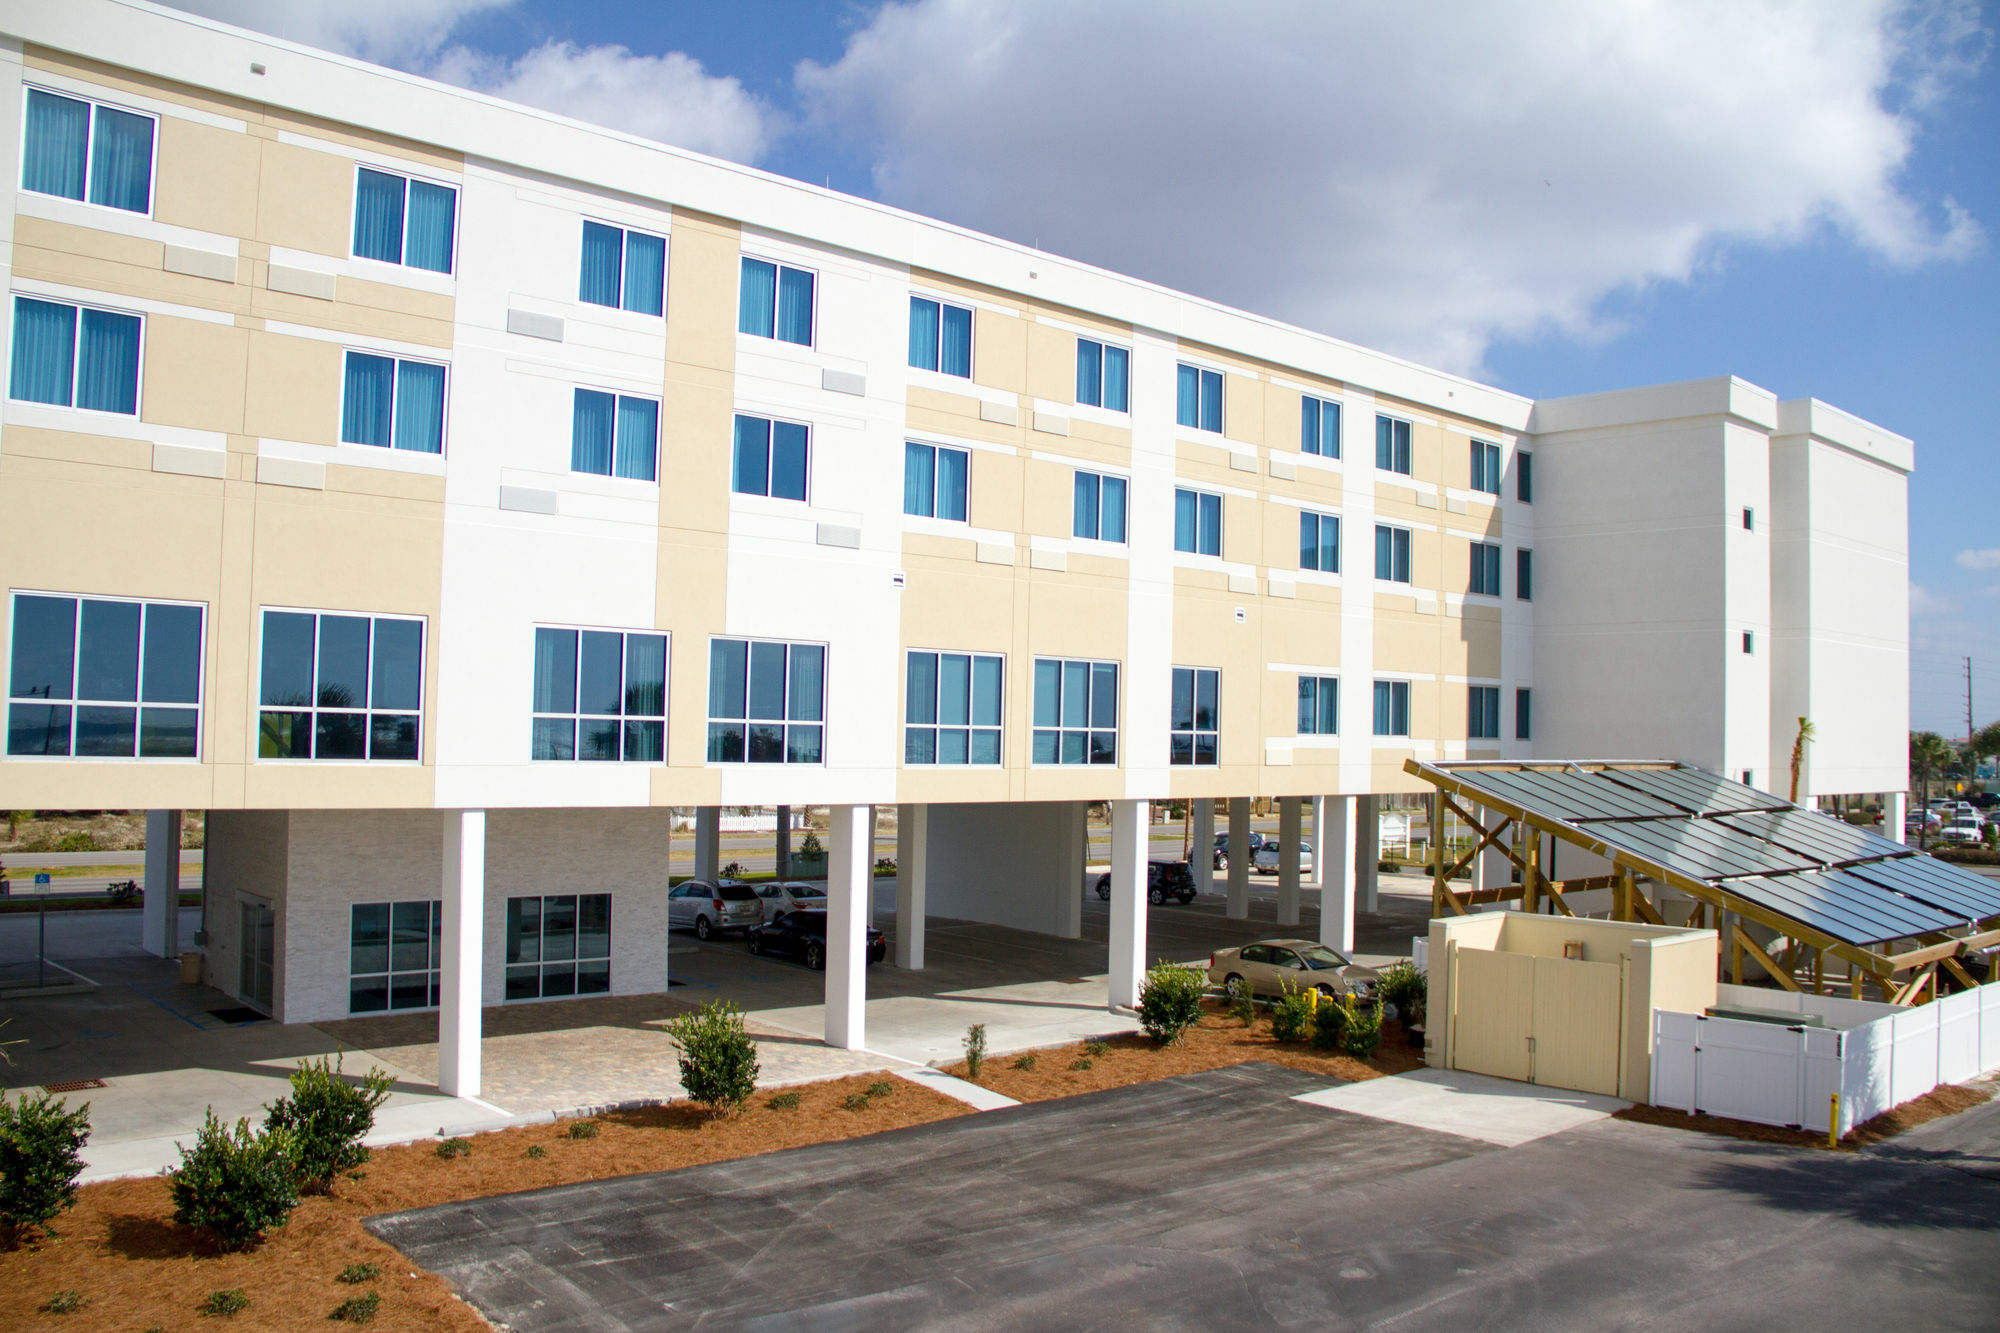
[387,32]
[1987,558]
[1415,177]
[1926,604]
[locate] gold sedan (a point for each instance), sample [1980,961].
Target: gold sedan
[1270,967]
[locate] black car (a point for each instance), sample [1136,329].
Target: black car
[1221,858]
[802,935]
[1164,880]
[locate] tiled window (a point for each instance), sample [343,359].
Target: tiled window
[766,702]
[1319,426]
[1099,507]
[1319,705]
[1197,522]
[951,708]
[940,337]
[85,151]
[1392,445]
[1524,476]
[1392,553]
[1486,467]
[1198,403]
[394,952]
[1523,715]
[341,687]
[1482,713]
[1319,542]
[558,944]
[76,356]
[623,269]
[615,435]
[1524,574]
[393,403]
[1392,708]
[98,677]
[400,220]
[1197,716]
[599,694]
[775,301]
[934,479]
[771,458]
[1076,711]
[1103,375]
[1485,575]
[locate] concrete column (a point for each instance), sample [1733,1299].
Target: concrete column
[1368,853]
[1338,852]
[1075,861]
[708,843]
[1238,905]
[1289,834]
[1201,854]
[848,887]
[160,922]
[784,842]
[460,985]
[1895,809]
[1128,902]
[1316,821]
[912,850]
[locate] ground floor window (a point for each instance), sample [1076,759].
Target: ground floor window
[558,944]
[393,951]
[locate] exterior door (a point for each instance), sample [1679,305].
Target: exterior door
[256,946]
[1491,1034]
[1577,1025]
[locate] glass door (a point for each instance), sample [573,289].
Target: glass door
[256,944]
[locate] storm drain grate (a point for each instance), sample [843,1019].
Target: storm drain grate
[75,1085]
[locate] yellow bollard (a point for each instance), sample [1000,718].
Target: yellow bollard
[1833,1123]
[1312,1002]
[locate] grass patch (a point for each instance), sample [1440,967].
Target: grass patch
[1025,1061]
[881,1087]
[63,1302]
[1081,1063]
[583,1129]
[784,1101]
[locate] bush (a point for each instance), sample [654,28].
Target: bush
[1081,1062]
[718,1060]
[1364,1028]
[1388,868]
[1243,1008]
[77,841]
[357,1309]
[1291,1016]
[1025,1062]
[582,1129]
[1097,1048]
[238,1186]
[734,870]
[1405,987]
[537,1151]
[855,1101]
[357,1273]
[454,1147]
[784,1101]
[881,1088]
[40,1158]
[327,1116]
[1329,1029]
[975,1050]
[1170,1001]
[225,1302]
[63,1302]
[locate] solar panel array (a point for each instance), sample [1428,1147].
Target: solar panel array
[1842,881]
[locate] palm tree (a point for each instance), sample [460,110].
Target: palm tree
[1930,753]
[1799,755]
[1985,741]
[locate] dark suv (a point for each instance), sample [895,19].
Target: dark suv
[1164,880]
[1220,860]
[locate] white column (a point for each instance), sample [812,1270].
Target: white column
[464,892]
[1238,905]
[1201,854]
[1316,821]
[1073,882]
[1128,902]
[708,843]
[1369,852]
[912,851]
[1895,810]
[160,922]
[1289,835]
[1336,887]
[783,845]
[848,886]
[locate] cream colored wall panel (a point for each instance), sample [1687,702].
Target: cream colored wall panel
[104,786]
[1406,644]
[63,446]
[385,310]
[426,157]
[1242,530]
[294,389]
[1243,409]
[114,80]
[312,786]
[195,374]
[954,785]
[207,179]
[385,484]
[1051,368]
[323,550]
[1048,500]
[305,199]
[956,606]
[41,246]
[996,495]
[929,411]
[1481,638]
[1115,440]
[1073,619]
[83,527]
[999,350]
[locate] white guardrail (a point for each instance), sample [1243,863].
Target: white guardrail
[1774,1074]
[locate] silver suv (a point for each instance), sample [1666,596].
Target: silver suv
[713,908]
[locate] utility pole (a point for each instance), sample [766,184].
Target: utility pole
[1972,756]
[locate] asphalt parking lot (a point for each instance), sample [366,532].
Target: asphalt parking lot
[1217,1201]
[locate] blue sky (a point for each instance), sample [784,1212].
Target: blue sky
[1558,196]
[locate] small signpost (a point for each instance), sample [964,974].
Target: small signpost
[42,881]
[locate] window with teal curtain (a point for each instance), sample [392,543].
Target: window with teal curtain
[107,378]
[1187,407]
[645,273]
[788,461]
[795,306]
[1197,522]
[121,161]
[638,437]
[431,224]
[1319,542]
[603,263]
[366,400]
[923,333]
[1184,520]
[1113,527]
[1117,375]
[1319,427]
[751,473]
[1089,372]
[1211,401]
[951,470]
[919,479]
[1084,522]
[593,432]
[1392,445]
[378,216]
[955,342]
[757,299]
[55,145]
[44,352]
[420,407]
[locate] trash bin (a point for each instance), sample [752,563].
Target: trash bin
[191,968]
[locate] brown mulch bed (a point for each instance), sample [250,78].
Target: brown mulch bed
[135,1267]
[1219,1041]
[1943,1100]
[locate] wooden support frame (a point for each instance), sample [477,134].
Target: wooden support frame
[1763,960]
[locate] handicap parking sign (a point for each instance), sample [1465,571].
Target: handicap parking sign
[42,877]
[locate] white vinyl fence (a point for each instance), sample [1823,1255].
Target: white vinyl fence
[1778,1075]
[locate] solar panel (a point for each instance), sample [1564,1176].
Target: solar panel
[1834,903]
[1696,789]
[1699,849]
[1964,895]
[1819,836]
[1566,795]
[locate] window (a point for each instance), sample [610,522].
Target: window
[341,687]
[558,944]
[403,221]
[1099,507]
[95,678]
[1392,708]
[1319,427]
[1482,713]
[626,270]
[393,953]
[79,150]
[770,458]
[934,481]
[1523,715]
[1392,553]
[1749,520]
[75,356]
[1524,574]
[1076,711]
[599,694]
[1524,476]
[1197,522]
[1319,542]
[1319,706]
[1748,642]
[1485,580]
[775,301]
[392,403]
[614,434]
[1392,445]
[1486,467]
[1200,400]
[1197,715]
[1103,375]
[766,702]
[940,337]
[1749,778]
[952,708]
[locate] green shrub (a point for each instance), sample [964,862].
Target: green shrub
[717,1058]
[1025,1062]
[1097,1048]
[1291,1016]
[1364,1028]
[881,1087]
[784,1101]
[76,841]
[454,1147]
[1170,1001]
[63,1302]
[40,1157]
[1405,987]
[975,1050]
[327,1116]
[225,1302]
[855,1101]
[583,1129]
[236,1187]
[1243,1008]
[537,1151]
[357,1309]
[1329,1029]
[357,1273]
[1081,1062]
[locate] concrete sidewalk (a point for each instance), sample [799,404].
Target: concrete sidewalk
[1472,1106]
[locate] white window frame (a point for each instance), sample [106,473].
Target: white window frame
[76,359]
[935,449]
[1409,429]
[787,722]
[578,718]
[972,334]
[1409,543]
[1498,470]
[1339,541]
[1118,710]
[1316,677]
[457,189]
[781,265]
[259,707]
[1101,344]
[1491,693]
[1199,495]
[395,388]
[1498,561]
[576,959]
[934,726]
[624,237]
[75,702]
[1101,474]
[1195,732]
[152,181]
[390,972]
